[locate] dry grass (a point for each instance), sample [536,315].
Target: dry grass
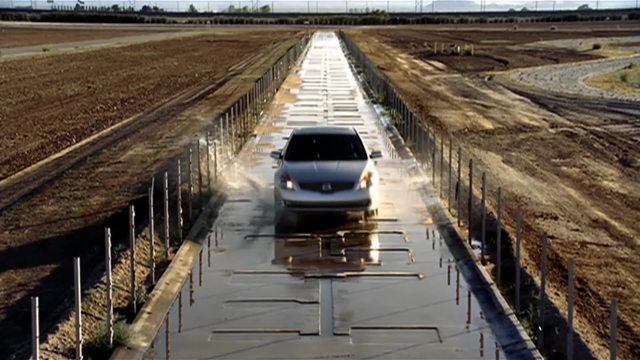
[625,81]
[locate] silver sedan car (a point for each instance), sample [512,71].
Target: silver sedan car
[327,170]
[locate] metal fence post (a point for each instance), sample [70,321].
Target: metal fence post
[208,161]
[179,201]
[468,308]
[483,214]
[35,328]
[441,165]
[613,330]
[132,247]
[459,186]
[180,311]
[457,285]
[543,293]
[167,335]
[152,250]
[433,159]
[215,161]
[165,194]
[190,185]
[412,130]
[572,269]
[449,186]
[78,307]
[200,182]
[109,280]
[499,238]
[470,203]
[518,254]
[234,130]
[222,130]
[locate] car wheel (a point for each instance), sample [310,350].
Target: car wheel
[281,217]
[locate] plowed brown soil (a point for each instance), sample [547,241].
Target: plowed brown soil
[19,36]
[573,164]
[50,103]
[57,101]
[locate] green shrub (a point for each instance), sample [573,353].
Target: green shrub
[141,296]
[98,347]
[624,77]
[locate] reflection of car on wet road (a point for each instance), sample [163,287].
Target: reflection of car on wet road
[326,169]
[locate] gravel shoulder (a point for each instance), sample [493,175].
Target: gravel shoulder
[585,43]
[572,78]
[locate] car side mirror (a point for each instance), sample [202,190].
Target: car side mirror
[376,154]
[276,154]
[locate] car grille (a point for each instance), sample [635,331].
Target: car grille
[335,186]
[332,205]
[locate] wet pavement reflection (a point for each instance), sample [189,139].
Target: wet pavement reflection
[324,286]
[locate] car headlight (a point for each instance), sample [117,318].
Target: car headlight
[367,180]
[286,182]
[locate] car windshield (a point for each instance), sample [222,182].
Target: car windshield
[325,147]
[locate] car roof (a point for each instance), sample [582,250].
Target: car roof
[321,130]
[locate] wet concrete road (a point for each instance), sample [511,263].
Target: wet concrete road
[326,287]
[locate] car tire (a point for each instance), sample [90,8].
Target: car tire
[281,217]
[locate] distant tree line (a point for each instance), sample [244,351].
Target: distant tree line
[245,9]
[116,14]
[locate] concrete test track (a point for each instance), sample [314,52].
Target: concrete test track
[388,287]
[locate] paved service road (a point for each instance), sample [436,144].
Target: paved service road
[329,288]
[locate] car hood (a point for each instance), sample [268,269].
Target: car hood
[322,171]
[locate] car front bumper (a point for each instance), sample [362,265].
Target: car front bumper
[317,202]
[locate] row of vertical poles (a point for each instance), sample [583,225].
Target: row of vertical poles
[177,195]
[422,140]
[234,127]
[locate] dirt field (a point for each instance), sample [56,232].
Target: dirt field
[498,49]
[61,216]
[573,163]
[16,36]
[102,88]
